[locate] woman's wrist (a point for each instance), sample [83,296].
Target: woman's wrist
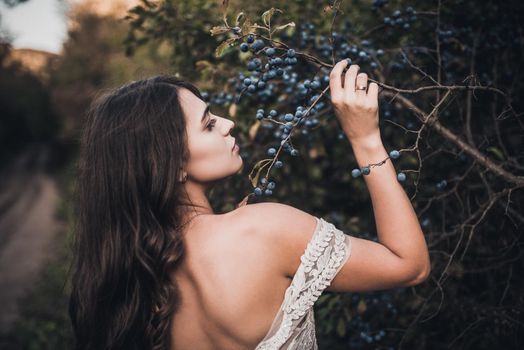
[369,151]
[369,144]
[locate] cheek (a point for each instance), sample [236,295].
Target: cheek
[209,158]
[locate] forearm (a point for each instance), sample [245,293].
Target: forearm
[397,224]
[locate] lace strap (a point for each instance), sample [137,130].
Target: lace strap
[324,256]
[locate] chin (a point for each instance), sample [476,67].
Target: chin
[241,161]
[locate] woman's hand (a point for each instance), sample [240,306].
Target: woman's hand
[356,109]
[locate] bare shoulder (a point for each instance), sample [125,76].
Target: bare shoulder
[284,232]
[282,229]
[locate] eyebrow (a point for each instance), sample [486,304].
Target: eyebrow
[204,114]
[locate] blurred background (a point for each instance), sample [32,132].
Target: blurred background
[56,55]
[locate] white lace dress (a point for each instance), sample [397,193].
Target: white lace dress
[294,325]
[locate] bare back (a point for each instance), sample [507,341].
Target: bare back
[229,284]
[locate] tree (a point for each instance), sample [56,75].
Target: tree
[450,79]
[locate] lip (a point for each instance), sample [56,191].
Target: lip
[234,145]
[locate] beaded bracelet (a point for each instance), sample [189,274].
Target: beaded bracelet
[366,169]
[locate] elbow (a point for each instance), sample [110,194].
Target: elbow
[424,275]
[421,277]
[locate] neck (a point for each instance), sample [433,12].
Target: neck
[196,201]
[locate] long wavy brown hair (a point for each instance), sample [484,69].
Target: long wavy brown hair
[128,197]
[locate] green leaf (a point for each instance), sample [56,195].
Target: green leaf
[341,327]
[497,152]
[221,48]
[266,16]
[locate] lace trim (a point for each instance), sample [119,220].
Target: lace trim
[319,264]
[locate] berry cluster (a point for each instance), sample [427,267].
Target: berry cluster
[278,69]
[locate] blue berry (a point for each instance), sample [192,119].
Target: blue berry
[294,152]
[289,117]
[258,191]
[250,39]
[271,152]
[258,44]
[273,113]
[244,47]
[394,154]
[356,173]
[271,185]
[247,82]
[270,52]
[290,53]
[401,177]
[251,88]
[278,164]
[268,192]
[263,181]
[365,170]
[441,185]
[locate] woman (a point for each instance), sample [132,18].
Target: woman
[156,268]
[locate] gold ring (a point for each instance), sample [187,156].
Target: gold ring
[361,87]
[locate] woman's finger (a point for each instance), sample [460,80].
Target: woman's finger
[349,80]
[373,90]
[361,84]
[335,79]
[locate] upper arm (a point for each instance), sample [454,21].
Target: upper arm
[287,231]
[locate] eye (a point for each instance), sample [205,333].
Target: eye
[211,124]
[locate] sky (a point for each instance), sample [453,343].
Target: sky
[36,24]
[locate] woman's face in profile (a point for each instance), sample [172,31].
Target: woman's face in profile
[211,153]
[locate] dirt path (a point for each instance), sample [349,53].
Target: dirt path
[27,228]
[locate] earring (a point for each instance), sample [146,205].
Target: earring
[184,178]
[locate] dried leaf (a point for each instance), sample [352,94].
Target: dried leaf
[216,30]
[253,130]
[240,15]
[290,24]
[233,110]
[225,4]
[266,16]
[246,26]
[244,201]
[259,166]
